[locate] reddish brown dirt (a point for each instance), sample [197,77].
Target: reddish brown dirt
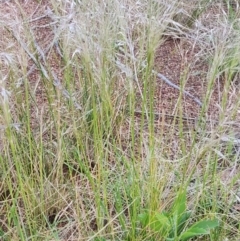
[175,58]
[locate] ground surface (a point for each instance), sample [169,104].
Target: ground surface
[176,57]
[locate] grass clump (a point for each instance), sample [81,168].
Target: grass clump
[86,152]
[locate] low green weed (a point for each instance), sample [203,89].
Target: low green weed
[174,225]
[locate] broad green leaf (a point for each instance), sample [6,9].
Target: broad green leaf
[144,218]
[206,224]
[178,224]
[200,228]
[160,223]
[182,221]
[179,215]
[179,206]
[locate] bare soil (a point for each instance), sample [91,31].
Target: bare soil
[176,58]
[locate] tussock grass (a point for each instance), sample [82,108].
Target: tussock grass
[77,162]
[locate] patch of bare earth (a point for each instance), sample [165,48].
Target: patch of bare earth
[177,59]
[20,20]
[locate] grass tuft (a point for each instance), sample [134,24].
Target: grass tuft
[91,149]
